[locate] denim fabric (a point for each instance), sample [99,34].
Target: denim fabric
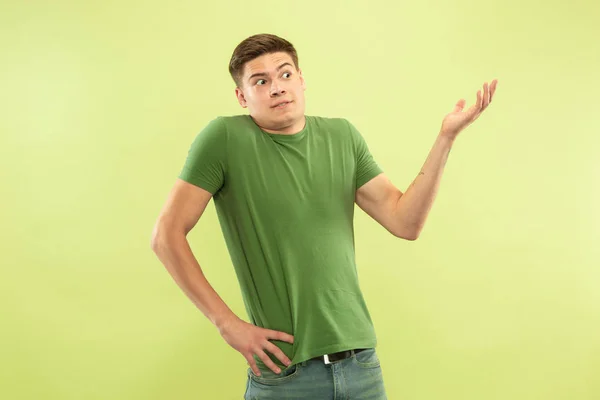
[358,377]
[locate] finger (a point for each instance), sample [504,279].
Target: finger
[268,362]
[475,108]
[482,99]
[486,96]
[276,351]
[277,335]
[252,364]
[459,105]
[493,88]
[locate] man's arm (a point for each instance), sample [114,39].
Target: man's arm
[404,214]
[183,209]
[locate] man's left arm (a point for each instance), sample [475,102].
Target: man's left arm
[404,214]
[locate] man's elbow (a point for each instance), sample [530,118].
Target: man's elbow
[412,238]
[154,243]
[157,241]
[408,234]
[165,234]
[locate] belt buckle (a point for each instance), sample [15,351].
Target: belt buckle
[328,361]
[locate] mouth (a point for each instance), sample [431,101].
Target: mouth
[283,105]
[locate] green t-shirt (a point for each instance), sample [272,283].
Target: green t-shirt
[286,206]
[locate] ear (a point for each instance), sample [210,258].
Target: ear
[302,79]
[240,96]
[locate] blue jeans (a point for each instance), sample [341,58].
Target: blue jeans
[358,377]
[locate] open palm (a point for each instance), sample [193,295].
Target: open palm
[458,119]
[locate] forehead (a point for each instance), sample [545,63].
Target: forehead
[267,62]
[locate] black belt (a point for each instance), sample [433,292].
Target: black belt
[340,355]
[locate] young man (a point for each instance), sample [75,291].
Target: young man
[284,185]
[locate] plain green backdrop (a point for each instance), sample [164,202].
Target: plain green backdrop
[498,299]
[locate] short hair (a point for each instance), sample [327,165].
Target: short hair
[256,46]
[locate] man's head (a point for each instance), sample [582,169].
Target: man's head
[265,70]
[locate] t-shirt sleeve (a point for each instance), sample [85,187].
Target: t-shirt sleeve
[206,161]
[366,167]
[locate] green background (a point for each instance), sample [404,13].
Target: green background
[498,299]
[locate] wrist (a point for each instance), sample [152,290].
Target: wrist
[224,322]
[447,138]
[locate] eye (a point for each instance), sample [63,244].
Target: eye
[257,82]
[287,73]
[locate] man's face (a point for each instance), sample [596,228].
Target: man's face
[268,80]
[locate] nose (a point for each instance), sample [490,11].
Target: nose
[276,88]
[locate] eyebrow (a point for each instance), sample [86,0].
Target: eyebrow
[265,74]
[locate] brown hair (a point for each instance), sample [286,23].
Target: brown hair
[255,46]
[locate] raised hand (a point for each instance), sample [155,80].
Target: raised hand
[458,119]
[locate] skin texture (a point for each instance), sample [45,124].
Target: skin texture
[259,94]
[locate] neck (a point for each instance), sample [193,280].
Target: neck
[292,129]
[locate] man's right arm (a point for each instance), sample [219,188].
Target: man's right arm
[182,210]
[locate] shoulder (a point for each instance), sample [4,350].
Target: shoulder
[223,126]
[238,122]
[332,126]
[330,122]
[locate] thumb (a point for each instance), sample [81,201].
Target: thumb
[459,105]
